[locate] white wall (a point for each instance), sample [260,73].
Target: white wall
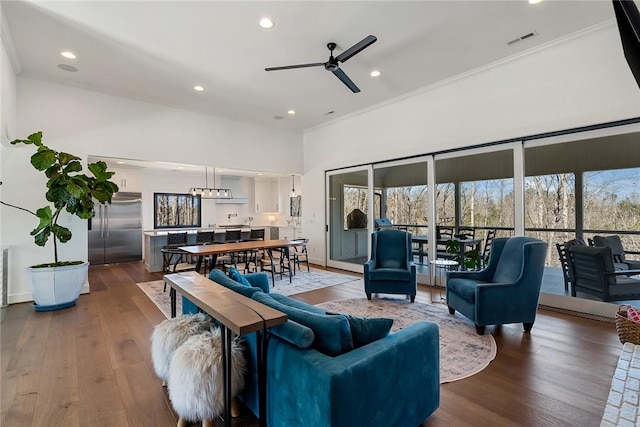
[578,81]
[8,122]
[85,123]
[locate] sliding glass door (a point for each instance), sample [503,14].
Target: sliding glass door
[348,212]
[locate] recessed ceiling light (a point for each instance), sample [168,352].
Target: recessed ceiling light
[120,162]
[266,23]
[278,117]
[291,112]
[198,88]
[67,67]
[375,73]
[68,54]
[259,174]
[535,1]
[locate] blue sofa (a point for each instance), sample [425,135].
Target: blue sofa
[392,381]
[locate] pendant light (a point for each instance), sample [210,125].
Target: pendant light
[293,186]
[211,192]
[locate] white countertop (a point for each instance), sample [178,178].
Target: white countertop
[164,232]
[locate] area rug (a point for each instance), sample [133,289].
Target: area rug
[303,281]
[462,351]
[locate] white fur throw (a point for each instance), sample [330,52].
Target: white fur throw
[170,334]
[196,376]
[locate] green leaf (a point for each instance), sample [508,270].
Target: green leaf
[42,237]
[62,233]
[43,230]
[36,138]
[53,171]
[99,170]
[77,186]
[66,158]
[73,166]
[58,194]
[43,158]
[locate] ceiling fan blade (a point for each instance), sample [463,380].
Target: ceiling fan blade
[346,80]
[288,67]
[362,44]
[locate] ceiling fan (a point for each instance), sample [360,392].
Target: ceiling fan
[333,63]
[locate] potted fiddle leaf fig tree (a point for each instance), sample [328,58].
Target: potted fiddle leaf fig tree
[58,284]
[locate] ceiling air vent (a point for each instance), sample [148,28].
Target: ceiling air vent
[523,37]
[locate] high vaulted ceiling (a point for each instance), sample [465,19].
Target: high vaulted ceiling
[158,51]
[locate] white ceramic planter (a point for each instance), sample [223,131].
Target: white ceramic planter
[57,287]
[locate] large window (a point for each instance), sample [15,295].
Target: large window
[404,195]
[176,210]
[612,199]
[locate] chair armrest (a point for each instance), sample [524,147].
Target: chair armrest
[369,265]
[353,388]
[481,275]
[623,273]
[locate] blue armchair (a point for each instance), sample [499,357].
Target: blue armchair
[507,290]
[391,269]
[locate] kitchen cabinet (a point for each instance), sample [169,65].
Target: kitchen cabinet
[267,195]
[285,233]
[127,180]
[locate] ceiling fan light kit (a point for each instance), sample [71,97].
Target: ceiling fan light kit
[333,64]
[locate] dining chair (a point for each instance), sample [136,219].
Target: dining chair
[443,233]
[300,255]
[488,243]
[175,240]
[466,232]
[277,261]
[203,238]
[257,234]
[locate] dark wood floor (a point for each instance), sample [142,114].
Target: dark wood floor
[90,365]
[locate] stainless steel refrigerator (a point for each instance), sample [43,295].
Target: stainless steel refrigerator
[115,232]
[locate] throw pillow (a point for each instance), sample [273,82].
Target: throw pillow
[220,278]
[238,277]
[365,330]
[332,333]
[633,314]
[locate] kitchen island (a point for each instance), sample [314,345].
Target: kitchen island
[154,240]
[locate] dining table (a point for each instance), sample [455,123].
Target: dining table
[213,250]
[423,239]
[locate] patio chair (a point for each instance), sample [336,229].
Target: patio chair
[619,256]
[563,254]
[592,271]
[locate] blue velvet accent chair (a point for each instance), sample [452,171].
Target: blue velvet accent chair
[391,269]
[507,290]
